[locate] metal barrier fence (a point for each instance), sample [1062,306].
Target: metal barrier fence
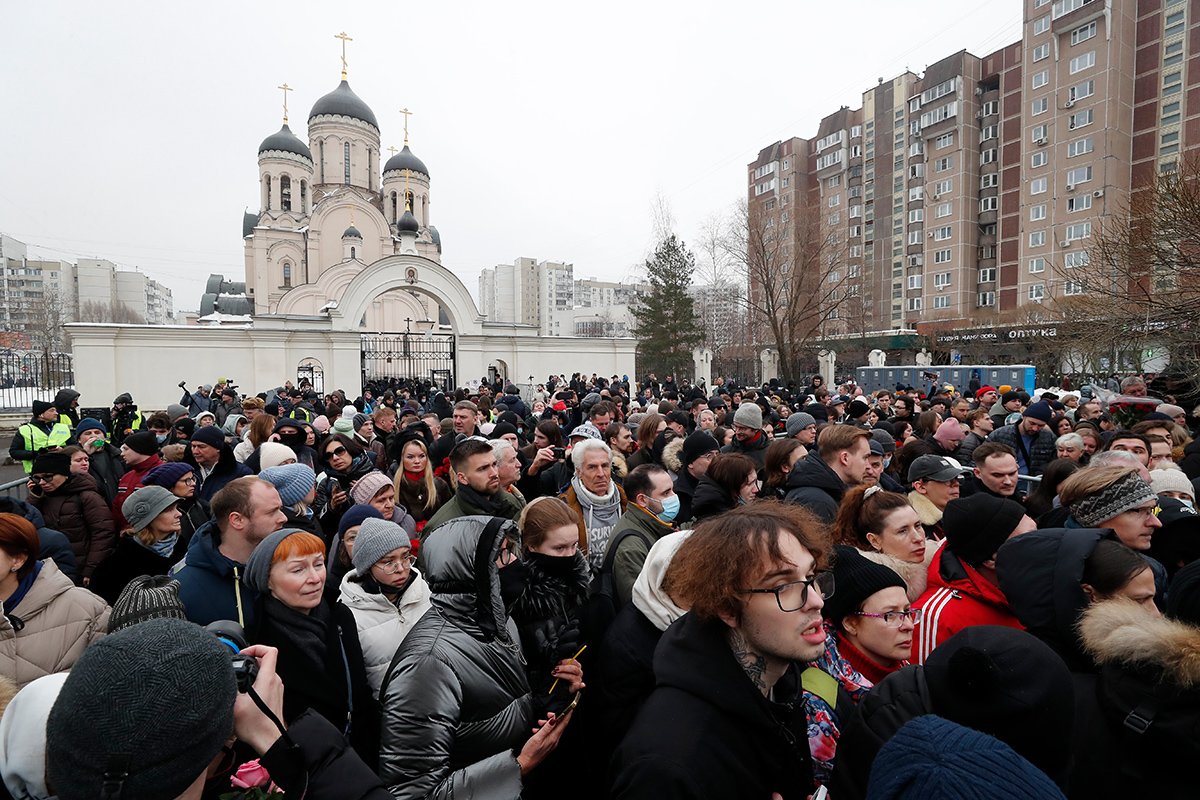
[25,377]
[14,490]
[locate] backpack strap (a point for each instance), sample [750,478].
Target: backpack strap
[611,553]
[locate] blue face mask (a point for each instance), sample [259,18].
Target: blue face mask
[670,508]
[887,460]
[161,437]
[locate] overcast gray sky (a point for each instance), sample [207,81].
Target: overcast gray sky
[129,130]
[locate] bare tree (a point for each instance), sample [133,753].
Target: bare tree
[115,311]
[45,317]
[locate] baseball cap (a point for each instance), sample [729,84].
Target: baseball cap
[934,468]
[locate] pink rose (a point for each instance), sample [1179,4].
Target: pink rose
[249,775]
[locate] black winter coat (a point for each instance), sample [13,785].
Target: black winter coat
[756,450]
[313,761]
[707,732]
[622,679]
[814,485]
[129,560]
[710,499]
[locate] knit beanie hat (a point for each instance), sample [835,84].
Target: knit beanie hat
[144,598]
[949,432]
[356,515]
[931,758]
[586,430]
[41,407]
[984,390]
[1007,396]
[321,424]
[750,415]
[157,699]
[886,440]
[175,411]
[1123,494]
[142,442]
[502,429]
[1040,410]
[977,525]
[698,444]
[377,538]
[89,424]
[52,463]
[996,679]
[345,423]
[1183,601]
[366,487]
[858,408]
[210,435]
[1171,480]
[145,503]
[358,421]
[258,566]
[855,578]
[272,454]
[167,475]
[798,421]
[292,481]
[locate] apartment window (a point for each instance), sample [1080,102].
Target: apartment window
[856,151]
[855,252]
[987,275]
[1037,238]
[1170,136]
[941,280]
[987,251]
[916,171]
[1083,33]
[855,132]
[914,237]
[1062,7]
[916,215]
[945,140]
[1080,230]
[1080,147]
[915,304]
[1037,185]
[1085,61]
[1041,25]
[916,193]
[1172,82]
[916,148]
[989,181]
[1081,202]
[941,301]
[989,109]
[1039,106]
[988,204]
[1175,24]
[943,164]
[1079,175]
[941,256]
[987,299]
[1081,90]
[1038,159]
[1076,258]
[855,212]
[988,156]
[1037,292]
[835,218]
[914,281]
[833,182]
[1037,212]
[943,187]
[1170,113]
[944,210]
[1040,3]
[1041,52]
[989,132]
[943,233]
[1072,288]
[1040,79]
[1037,265]
[1080,119]
[835,200]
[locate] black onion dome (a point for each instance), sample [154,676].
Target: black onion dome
[285,141]
[437,237]
[352,232]
[405,160]
[343,102]
[407,222]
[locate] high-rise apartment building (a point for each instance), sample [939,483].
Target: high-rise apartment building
[977,186]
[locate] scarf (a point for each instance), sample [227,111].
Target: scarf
[865,665]
[309,632]
[595,499]
[415,477]
[166,546]
[493,505]
[23,588]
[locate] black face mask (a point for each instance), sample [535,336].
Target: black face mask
[557,566]
[512,582]
[293,439]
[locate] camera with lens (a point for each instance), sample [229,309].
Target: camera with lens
[233,636]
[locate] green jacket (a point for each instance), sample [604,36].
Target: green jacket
[632,551]
[457,507]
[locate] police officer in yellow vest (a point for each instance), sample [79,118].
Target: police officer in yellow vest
[43,432]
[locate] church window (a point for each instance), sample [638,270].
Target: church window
[346,160]
[267,199]
[285,192]
[287,274]
[322,161]
[353,252]
[395,214]
[304,196]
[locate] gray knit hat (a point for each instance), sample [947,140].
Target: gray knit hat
[1123,494]
[258,566]
[175,411]
[750,415]
[798,421]
[1171,480]
[146,503]
[376,538]
[144,598]
[153,702]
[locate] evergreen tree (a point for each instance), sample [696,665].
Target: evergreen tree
[667,326]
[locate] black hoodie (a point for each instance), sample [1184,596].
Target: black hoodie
[707,732]
[815,486]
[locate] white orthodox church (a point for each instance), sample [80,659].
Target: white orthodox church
[332,206]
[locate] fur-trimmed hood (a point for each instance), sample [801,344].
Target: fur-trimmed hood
[916,576]
[672,457]
[1119,632]
[927,512]
[620,466]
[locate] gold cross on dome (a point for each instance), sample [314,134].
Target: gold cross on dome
[406,114]
[285,89]
[345,38]
[392,151]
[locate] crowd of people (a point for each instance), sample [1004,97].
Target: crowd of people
[612,588]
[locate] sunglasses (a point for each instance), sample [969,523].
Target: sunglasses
[41,478]
[337,451]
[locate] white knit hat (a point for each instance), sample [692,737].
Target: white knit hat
[1171,479]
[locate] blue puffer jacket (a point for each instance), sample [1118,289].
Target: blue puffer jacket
[210,585]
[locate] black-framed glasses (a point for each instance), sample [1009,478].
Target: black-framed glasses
[41,478]
[894,619]
[340,450]
[793,596]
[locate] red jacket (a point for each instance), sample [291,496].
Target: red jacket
[130,481]
[956,598]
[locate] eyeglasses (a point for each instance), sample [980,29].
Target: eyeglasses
[188,480]
[41,478]
[794,596]
[337,451]
[894,619]
[393,565]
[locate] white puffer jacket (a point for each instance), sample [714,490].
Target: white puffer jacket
[381,625]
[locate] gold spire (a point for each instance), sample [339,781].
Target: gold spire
[407,201]
[285,89]
[406,114]
[344,39]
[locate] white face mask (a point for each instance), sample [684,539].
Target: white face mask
[887,460]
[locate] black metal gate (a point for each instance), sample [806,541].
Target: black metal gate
[423,356]
[311,376]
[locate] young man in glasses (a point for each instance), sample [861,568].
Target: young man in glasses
[722,727]
[963,590]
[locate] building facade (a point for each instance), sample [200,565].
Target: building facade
[977,186]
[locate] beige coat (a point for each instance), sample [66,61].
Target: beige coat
[57,621]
